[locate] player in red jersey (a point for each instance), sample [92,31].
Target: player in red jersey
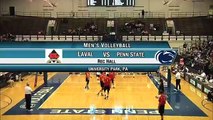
[102,77]
[112,76]
[107,86]
[162,101]
[87,80]
[98,75]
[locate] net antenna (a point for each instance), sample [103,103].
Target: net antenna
[36,79]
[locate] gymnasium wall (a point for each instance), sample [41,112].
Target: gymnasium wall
[81,5]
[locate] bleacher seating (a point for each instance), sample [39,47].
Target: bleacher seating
[79,26]
[194,25]
[17,25]
[159,24]
[199,56]
[23,25]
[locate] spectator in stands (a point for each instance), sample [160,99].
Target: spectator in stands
[11,82]
[184,47]
[10,37]
[200,57]
[132,32]
[185,71]
[144,32]
[210,95]
[211,79]
[192,63]
[142,13]
[89,29]
[7,37]
[152,27]
[79,31]
[181,62]
[203,76]
[136,28]
[41,32]
[173,68]
[178,32]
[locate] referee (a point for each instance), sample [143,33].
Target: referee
[177,76]
[28,92]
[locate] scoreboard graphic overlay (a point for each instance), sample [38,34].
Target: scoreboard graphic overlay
[85,56]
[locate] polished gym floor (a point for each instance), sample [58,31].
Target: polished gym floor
[133,98]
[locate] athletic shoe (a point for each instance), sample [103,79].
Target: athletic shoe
[106,97]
